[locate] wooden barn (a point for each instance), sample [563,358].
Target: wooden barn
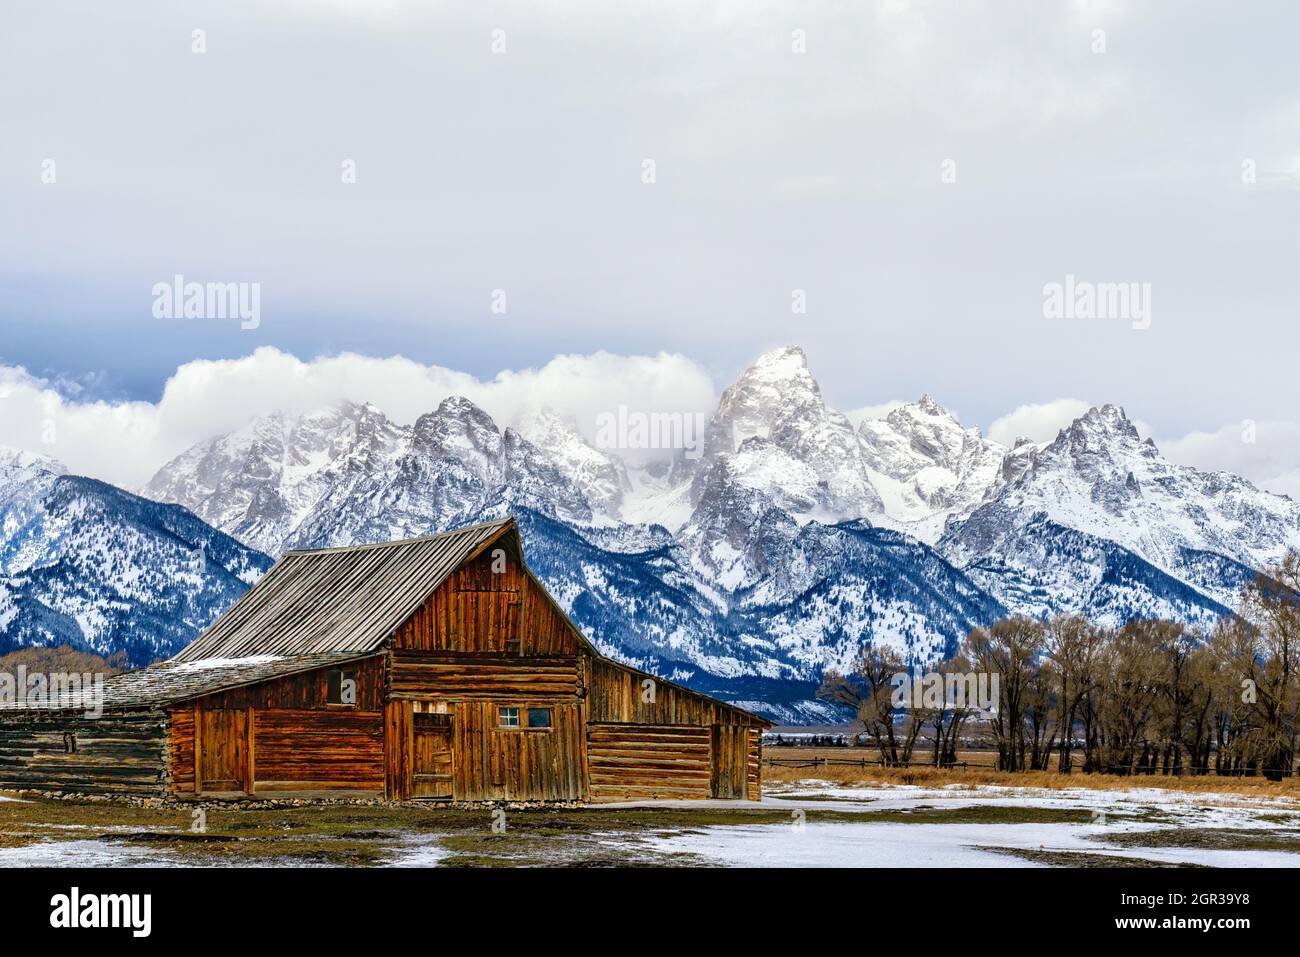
[436,668]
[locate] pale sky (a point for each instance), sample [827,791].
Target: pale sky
[796,148]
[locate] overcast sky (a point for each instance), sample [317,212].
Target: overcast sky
[919,172]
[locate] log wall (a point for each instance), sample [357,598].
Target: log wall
[649,762]
[115,753]
[424,675]
[293,739]
[314,750]
[619,694]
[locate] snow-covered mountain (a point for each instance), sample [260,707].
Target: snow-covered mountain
[790,541]
[600,476]
[86,564]
[781,440]
[829,590]
[928,468]
[1112,491]
[751,563]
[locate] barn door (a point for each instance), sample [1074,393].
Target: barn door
[431,768]
[729,761]
[222,763]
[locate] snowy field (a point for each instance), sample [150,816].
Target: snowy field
[808,823]
[806,842]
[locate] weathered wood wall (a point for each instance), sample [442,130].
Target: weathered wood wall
[754,763]
[307,690]
[489,637]
[620,694]
[399,749]
[318,750]
[115,753]
[452,677]
[649,762]
[522,764]
[296,741]
[620,697]
[490,763]
[479,610]
[729,745]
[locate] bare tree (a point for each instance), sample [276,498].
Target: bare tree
[1073,643]
[1008,648]
[869,691]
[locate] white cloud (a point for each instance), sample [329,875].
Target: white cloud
[1041,421]
[1037,421]
[126,442]
[533,184]
[1266,452]
[868,412]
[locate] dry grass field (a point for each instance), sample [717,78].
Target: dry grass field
[979,770]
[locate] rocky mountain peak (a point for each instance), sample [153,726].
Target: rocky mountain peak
[19,461]
[788,444]
[602,477]
[784,362]
[457,427]
[928,406]
[1104,422]
[928,467]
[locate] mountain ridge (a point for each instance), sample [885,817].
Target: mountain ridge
[788,542]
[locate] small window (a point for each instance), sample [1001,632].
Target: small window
[69,742]
[507,717]
[539,717]
[341,687]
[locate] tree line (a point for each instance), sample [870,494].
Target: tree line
[1152,696]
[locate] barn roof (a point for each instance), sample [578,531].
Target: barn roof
[340,600]
[321,607]
[172,681]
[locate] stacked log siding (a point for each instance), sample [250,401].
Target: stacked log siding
[120,753]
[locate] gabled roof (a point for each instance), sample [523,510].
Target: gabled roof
[173,681]
[340,600]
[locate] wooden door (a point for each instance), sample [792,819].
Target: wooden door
[730,754]
[223,760]
[431,767]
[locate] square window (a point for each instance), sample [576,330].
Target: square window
[539,717]
[508,717]
[341,687]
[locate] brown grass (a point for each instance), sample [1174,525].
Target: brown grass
[981,771]
[62,659]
